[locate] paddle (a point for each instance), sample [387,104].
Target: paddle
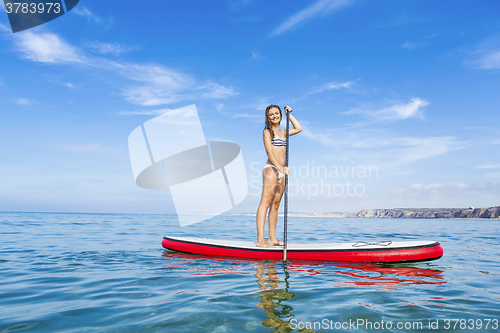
[286,186]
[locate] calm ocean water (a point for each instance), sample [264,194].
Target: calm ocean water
[109,273]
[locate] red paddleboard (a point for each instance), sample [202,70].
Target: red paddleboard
[382,252]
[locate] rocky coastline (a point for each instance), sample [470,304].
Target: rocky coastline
[433,213]
[416,213]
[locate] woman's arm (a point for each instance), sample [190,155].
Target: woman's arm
[296,125]
[269,150]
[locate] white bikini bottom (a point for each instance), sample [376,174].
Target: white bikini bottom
[280,174]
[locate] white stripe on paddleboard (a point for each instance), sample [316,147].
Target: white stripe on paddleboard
[309,247]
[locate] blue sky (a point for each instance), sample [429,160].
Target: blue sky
[408,90]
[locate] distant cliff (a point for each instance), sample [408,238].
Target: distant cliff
[433,213]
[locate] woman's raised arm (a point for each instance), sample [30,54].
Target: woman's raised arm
[297,128]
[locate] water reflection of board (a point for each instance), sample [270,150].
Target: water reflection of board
[404,251]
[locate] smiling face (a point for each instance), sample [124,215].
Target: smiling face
[274,115]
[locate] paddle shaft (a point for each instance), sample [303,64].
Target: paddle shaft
[286,186]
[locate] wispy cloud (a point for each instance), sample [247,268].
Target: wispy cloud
[455,189]
[252,117]
[382,148]
[161,85]
[402,19]
[396,112]
[157,84]
[411,45]
[489,59]
[95,149]
[333,86]
[23,101]
[488,166]
[487,54]
[422,42]
[414,149]
[109,48]
[260,104]
[215,91]
[319,8]
[255,57]
[83,11]
[433,188]
[61,83]
[493,175]
[145,112]
[46,47]
[238,5]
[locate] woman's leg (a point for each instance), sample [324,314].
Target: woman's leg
[269,181]
[273,212]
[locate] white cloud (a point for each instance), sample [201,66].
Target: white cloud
[488,166]
[23,101]
[157,84]
[219,107]
[395,112]
[61,83]
[215,91]
[3,28]
[321,7]
[402,111]
[109,48]
[493,175]
[383,149]
[402,19]
[490,60]
[433,187]
[416,187]
[487,54]
[258,103]
[161,85]
[333,86]
[411,45]
[414,149]
[238,5]
[83,11]
[252,117]
[458,188]
[46,47]
[90,149]
[145,112]
[255,56]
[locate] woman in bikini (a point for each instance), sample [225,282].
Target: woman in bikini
[273,173]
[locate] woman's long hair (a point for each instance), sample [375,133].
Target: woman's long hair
[268,121]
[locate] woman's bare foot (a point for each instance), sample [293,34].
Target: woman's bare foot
[276,242]
[264,244]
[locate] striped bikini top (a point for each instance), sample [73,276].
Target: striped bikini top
[278,142]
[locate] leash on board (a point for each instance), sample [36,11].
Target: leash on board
[285,241]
